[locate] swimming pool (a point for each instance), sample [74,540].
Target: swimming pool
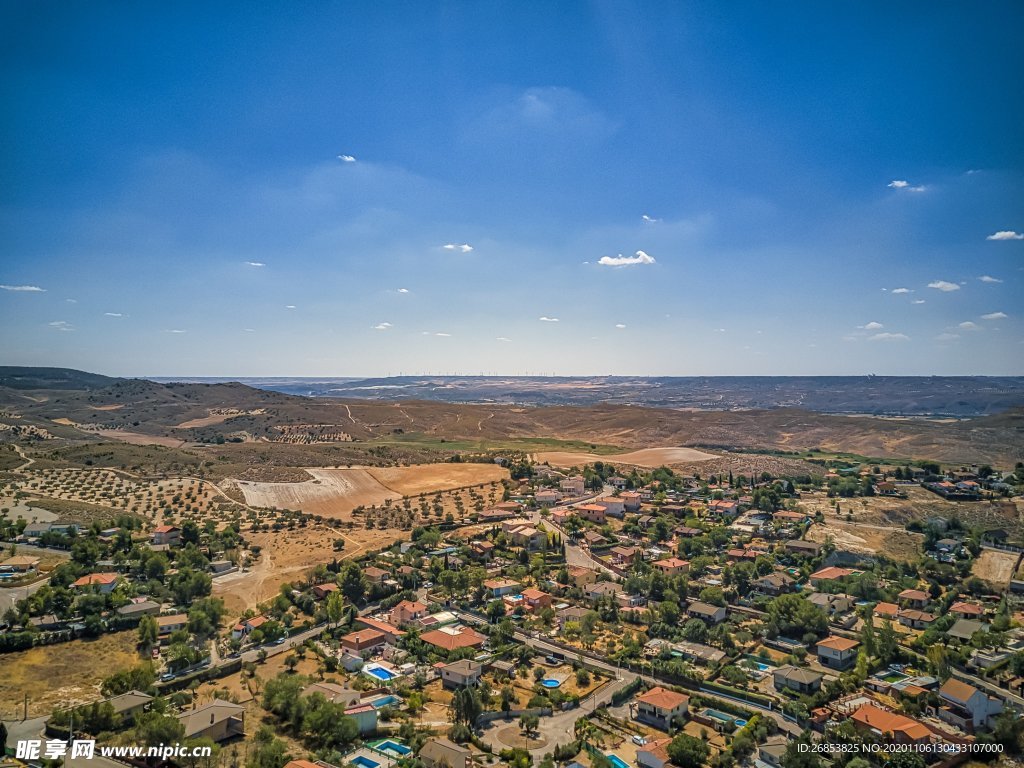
[740,723]
[721,717]
[376,670]
[550,683]
[617,761]
[364,762]
[391,747]
[384,701]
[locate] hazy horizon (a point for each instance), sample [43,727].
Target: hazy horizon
[686,189]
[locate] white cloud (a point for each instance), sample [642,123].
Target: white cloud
[61,325]
[625,261]
[255,263]
[382,326]
[113,314]
[944,285]
[71,301]
[989,279]
[872,326]
[720,330]
[904,184]
[289,306]
[348,159]
[403,290]
[446,335]
[503,338]
[620,325]
[464,247]
[548,319]
[995,316]
[947,336]
[249,330]
[650,219]
[174,330]
[917,301]
[1005,234]
[967,325]
[23,288]
[901,290]
[889,337]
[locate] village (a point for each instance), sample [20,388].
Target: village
[599,616]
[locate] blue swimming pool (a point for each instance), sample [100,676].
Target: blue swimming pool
[721,717]
[364,762]
[617,761]
[379,672]
[391,747]
[550,683]
[384,701]
[740,723]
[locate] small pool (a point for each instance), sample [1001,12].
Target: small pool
[550,683]
[391,747]
[740,723]
[375,670]
[721,717]
[384,701]
[364,762]
[759,662]
[617,761]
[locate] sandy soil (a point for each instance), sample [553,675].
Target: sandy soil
[647,457]
[995,567]
[206,421]
[137,438]
[868,539]
[336,492]
[64,674]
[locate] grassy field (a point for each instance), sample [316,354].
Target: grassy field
[80,512]
[63,674]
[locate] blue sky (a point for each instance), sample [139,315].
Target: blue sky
[230,189]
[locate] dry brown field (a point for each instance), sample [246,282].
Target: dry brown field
[645,457]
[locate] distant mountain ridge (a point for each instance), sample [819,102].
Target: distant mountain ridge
[19,377]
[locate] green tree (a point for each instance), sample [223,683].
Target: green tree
[799,755]
[148,632]
[688,751]
[465,706]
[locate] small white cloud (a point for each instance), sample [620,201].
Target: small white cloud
[989,279]
[61,325]
[255,263]
[889,337]
[503,338]
[403,290]
[620,325]
[546,319]
[947,336]
[650,219]
[967,325]
[445,335]
[626,261]
[995,316]
[23,288]
[464,247]
[872,326]
[114,314]
[347,158]
[944,285]
[174,330]
[71,301]
[249,330]
[901,290]
[382,326]
[1005,234]
[289,306]
[917,301]
[904,184]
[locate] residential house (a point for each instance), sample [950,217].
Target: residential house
[966,707]
[834,604]
[964,629]
[723,509]
[672,566]
[407,612]
[800,547]
[245,626]
[964,610]
[219,720]
[890,727]
[501,587]
[535,600]
[829,573]
[626,555]
[600,589]
[375,575]
[482,550]
[652,754]
[580,576]
[365,716]
[363,641]
[915,619]
[594,539]
[595,513]
[438,752]
[913,598]
[574,486]
[321,591]
[334,693]
[612,506]
[712,614]
[770,753]
[546,497]
[168,625]
[166,535]
[139,606]
[130,705]
[460,674]
[776,583]
[572,613]
[889,611]
[453,638]
[105,583]
[661,707]
[630,501]
[529,538]
[20,564]
[796,679]
[390,631]
[837,652]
